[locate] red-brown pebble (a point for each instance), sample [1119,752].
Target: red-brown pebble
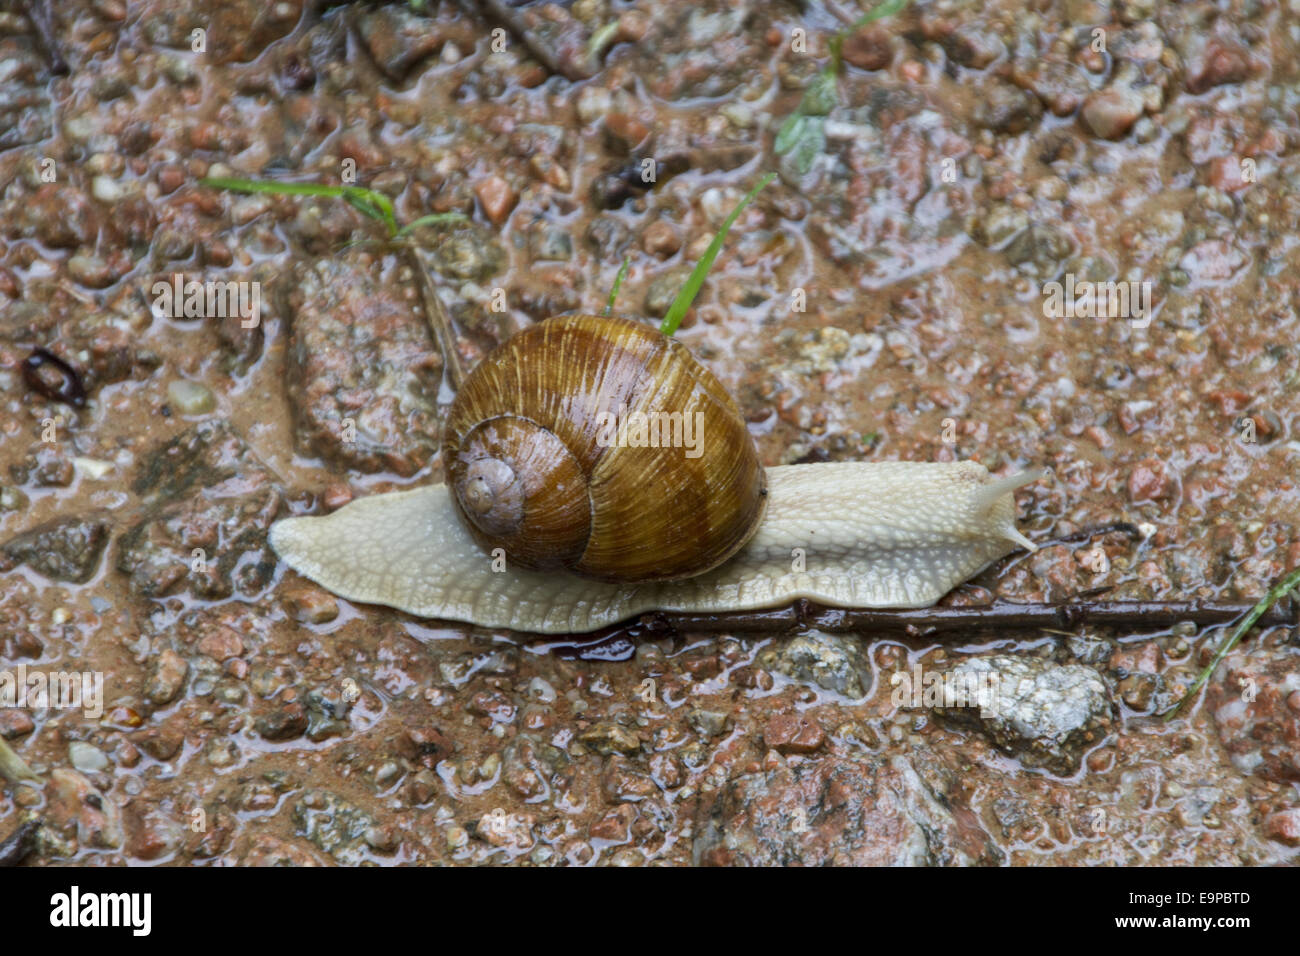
[496,197]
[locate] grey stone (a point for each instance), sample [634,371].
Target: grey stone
[1046,714]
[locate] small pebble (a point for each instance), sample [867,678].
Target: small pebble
[497,198]
[107,189]
[191,398]
[85,757]
[593,103]
[311,605]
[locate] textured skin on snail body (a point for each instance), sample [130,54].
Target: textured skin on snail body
[872,535]
[537,470]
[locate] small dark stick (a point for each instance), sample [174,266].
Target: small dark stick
[38,11]
[998,615]
[1126,528]
[18,844]
[518,24]
[436,316]
[70,390]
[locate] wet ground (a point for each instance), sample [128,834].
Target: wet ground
[884,300]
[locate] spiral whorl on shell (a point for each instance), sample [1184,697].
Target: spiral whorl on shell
[530,463]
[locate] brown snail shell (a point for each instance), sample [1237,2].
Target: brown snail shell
[530,466]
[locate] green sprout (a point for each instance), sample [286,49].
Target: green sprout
[682,304]
[618,283]
[373,204]
[803,134]
[1275,594]
[377,206]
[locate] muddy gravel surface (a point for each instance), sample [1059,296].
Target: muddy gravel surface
[889,297]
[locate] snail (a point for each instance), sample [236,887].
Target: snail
[595,471]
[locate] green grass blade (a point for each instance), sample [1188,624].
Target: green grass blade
[618,283]
[432,219]
[381,205]
[791,131]
[373,204]
[271,186]
[682,304]
[1275,594]
[364,206]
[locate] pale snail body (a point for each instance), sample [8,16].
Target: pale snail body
[888,534]
[654,530]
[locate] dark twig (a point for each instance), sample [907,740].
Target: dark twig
[1127,528]
[18,844]
[840,13]
[619,642]
[70,390]
[38,11]
[517,22]
[436,316]
[1004,615]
